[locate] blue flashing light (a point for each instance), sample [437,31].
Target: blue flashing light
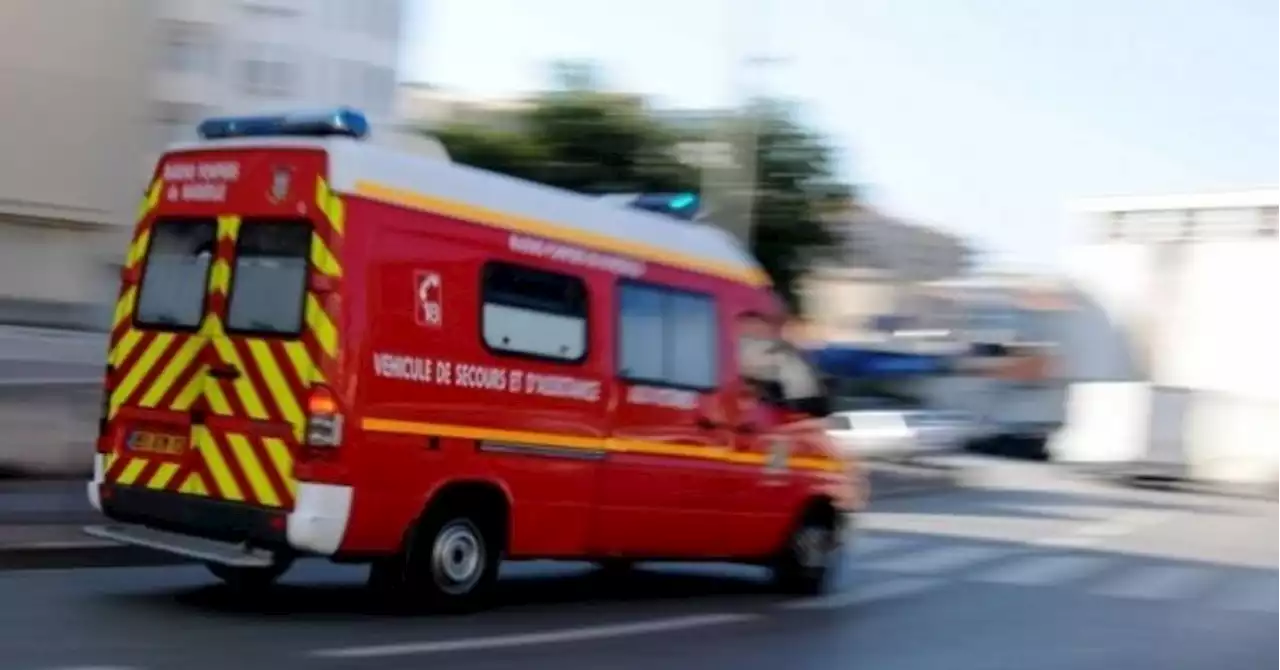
[683,200]
[680,205]
[342,121]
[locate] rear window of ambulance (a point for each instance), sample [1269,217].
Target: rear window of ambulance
[269,282]
[175,273]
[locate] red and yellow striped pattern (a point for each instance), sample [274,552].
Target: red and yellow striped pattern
[253,462]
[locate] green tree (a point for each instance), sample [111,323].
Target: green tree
[796,188]
[580,137]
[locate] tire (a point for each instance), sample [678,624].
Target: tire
[450,563]
[250,579]
[802,566]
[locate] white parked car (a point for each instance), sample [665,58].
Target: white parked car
[885,433]
[872,433]
[943,430]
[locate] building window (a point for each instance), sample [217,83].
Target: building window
[188,48]
[666,337]
[268,73]
[533,313]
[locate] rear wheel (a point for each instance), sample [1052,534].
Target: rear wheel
[250,579]
[450,563]
[801,567]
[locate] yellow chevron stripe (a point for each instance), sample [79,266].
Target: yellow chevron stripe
[323,259]
[150,199]
[187,396]
[282,461]
[180,361]
[301,362]
[217,466]
[137,249]
[331,204]
[326,334]
[125,346]
[211,326]
[228,227]
[276,384]
[220,277]
[194,485]
[253,470]
[163,475]
[131,381]
[217,400]
[131,471]
[124,307]
[243,386]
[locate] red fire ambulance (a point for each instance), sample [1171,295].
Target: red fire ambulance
[323,347]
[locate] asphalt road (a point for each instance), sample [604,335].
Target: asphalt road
[1031,570]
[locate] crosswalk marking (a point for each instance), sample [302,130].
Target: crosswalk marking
[937,559]
[874,544]
[1044,570]
[1033,565]
[1157,582]
[865,593]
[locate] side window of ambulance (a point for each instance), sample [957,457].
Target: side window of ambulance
[666,337]
[269,283]
[530,312]
[174,276]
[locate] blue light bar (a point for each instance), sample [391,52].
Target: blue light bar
[342,121]
[683,206]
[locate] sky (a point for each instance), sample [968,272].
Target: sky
[985,118]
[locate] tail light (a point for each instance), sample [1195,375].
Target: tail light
[324,421]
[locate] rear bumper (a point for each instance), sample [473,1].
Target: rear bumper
[316,525]
[197,517]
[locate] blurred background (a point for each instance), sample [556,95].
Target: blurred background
[925,187]
[1023,242]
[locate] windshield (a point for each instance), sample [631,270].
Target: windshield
[270,277]
[174,277]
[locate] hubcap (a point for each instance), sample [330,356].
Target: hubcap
[457,558]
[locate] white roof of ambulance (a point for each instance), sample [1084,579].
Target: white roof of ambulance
[354,160]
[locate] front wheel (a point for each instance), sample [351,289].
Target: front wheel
[802,566]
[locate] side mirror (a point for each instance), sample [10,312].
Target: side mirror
[817,406]
[772,393]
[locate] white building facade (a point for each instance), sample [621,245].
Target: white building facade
[1174,352]
[94,90]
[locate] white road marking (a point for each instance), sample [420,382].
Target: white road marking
[1156,582]
[885,590]
[545,637]
[1250,593]
[935,560]
[1097,532]
[1044,570]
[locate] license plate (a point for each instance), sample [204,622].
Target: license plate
[160,443]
